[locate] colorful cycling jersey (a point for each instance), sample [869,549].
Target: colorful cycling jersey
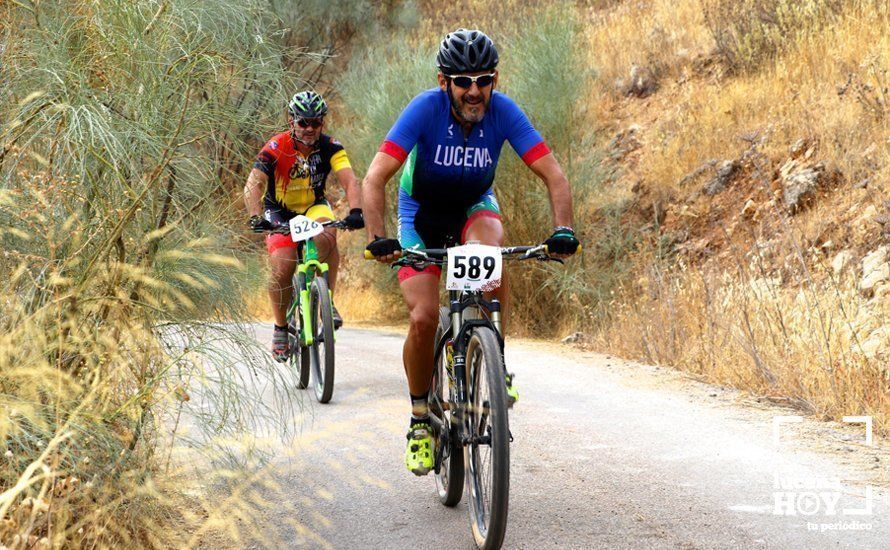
[295,181]
[447,170]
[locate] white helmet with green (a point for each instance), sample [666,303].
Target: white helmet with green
[307,104]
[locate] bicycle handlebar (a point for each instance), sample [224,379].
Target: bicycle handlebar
[437,256]
[285,229]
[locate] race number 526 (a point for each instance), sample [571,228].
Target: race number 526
[474,267]
[303,228]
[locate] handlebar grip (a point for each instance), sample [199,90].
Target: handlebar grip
[576,251]
[369,256]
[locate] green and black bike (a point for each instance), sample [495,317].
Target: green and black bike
[469,400]
[310,316]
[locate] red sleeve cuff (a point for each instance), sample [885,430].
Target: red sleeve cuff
[394,150]
[535,153]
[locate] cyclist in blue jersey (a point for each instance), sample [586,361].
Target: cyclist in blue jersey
[450,139]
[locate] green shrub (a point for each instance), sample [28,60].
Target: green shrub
[124,128]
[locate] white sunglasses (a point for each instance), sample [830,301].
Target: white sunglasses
[466,81]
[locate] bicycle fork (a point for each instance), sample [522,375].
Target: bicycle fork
[303,273]
[306,333]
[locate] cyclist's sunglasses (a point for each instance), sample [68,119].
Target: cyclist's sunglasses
[307,122]
[465,81]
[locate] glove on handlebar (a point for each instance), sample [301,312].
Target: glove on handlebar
[259,224]
[355,219]
[563,241]
[381,246]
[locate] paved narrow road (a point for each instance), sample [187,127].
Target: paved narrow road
[608,454]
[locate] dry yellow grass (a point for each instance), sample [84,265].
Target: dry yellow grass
[701,113]
[803,347]
[659,33]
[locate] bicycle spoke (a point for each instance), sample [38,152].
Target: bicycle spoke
[481,453]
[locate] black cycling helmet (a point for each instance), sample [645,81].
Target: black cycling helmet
[466,51]
[307,104]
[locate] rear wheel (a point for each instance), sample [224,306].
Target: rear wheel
[487,456]
[322,350]
[449,456]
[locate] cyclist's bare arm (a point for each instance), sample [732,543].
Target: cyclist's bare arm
[382,169]
[548,169]
[254,190]
[346,178]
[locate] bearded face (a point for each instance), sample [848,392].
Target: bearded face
[469,104]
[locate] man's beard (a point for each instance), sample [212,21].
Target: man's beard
[306,142]
[469,112]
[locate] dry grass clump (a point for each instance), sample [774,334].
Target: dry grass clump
[749,33]
[660,35]
[799,346]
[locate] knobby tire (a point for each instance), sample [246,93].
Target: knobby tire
[322,352]
[488,504]
[299,355]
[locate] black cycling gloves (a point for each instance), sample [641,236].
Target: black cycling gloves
[563,241]
[355,219]
[258,224]
[381,246]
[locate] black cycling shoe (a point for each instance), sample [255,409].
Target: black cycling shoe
[338,321]
[280,345]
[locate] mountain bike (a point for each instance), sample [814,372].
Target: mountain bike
[310,316]
[468,401]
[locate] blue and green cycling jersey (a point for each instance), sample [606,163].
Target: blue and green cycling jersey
[447,170]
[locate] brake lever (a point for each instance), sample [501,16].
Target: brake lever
[416,266]
[542,257]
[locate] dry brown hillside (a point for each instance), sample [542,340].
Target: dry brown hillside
[751,139]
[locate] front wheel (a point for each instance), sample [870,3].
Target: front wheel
[487,454]
[299,355]
[321,351]
[302,357]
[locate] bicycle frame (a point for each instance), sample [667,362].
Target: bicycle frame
[457,373]
[308,268]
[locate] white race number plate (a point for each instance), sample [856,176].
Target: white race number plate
[303,228]
[474,267]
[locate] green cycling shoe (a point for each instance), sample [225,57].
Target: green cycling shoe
[512,392]
[419,453]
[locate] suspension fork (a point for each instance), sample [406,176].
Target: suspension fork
[305,333]
[495,310]
[460,354]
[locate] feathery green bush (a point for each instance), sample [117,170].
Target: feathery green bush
[125,127]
